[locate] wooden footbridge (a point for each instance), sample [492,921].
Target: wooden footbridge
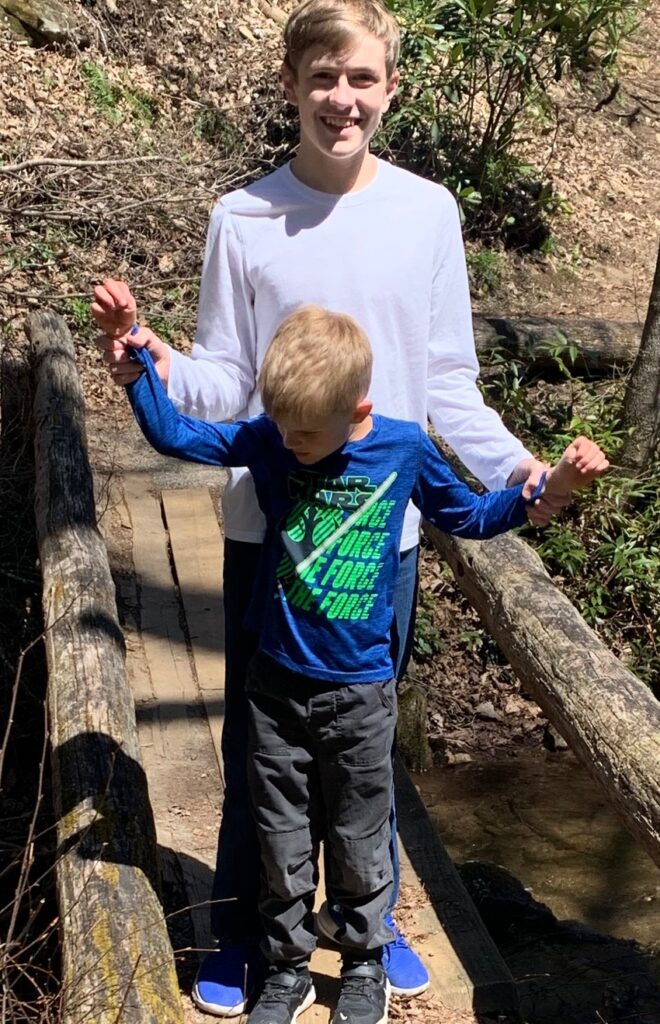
[136,717]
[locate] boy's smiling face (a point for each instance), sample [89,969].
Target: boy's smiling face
[340,99]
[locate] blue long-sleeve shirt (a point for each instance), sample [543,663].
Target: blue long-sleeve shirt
[323,601]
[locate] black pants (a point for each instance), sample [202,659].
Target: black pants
[320,766]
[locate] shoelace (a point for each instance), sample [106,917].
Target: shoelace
[359,986]
[273,988]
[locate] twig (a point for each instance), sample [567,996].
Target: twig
[52,162]
[612,94]
[63,296]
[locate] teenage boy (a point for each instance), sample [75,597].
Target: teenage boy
[333,482]
[338,227]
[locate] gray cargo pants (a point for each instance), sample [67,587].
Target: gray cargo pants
[320,767]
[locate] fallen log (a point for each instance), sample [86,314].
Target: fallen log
[601,345]
[117,960]
[610,719]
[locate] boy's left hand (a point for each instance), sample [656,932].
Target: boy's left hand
[529,472]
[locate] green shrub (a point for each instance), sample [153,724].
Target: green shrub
[606,547]
[485,269]
[214,126]
[474,71]
[105,96]
[109,99]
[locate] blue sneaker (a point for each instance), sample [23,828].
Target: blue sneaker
[226,979]
[405,971]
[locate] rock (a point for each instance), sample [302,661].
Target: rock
[273,11]
[502,900]
[46,21]
[459,758]
[487,710]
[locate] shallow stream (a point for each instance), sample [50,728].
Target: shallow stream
[541,817]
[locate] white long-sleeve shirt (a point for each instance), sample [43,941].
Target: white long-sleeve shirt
[391,255]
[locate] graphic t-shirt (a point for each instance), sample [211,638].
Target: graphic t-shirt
[323,600]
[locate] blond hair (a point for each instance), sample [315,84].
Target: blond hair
[318,364]
[336,25]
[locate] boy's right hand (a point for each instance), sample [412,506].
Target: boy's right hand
[122,368]
[115,311]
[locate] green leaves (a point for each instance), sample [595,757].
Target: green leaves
[472,72]
[605,548]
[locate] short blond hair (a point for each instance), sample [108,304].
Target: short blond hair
[336,25]
[318,364]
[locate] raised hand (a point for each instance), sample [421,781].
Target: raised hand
[114,308]
[580,464]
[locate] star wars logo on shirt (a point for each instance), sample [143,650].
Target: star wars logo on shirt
[334,539]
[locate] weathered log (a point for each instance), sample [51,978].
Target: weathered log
[609,717]
[118,963]
[601,344]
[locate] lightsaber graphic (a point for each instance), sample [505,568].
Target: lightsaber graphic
[346,525]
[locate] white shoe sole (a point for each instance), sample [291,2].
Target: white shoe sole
[214,1008]
[410,991]
[309,999]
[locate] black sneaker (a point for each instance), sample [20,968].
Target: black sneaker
[285,995]
[364,996]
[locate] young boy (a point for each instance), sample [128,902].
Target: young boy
[337,227]
[333,482]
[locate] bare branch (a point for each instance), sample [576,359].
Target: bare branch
[52,162]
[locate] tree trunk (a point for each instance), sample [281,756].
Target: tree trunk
[609,717]
[641,408]
[601,344]
[117,959]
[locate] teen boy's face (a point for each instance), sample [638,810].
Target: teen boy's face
[310,442]
[340,98]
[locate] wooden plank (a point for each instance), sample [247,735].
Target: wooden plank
[466,967]
[197,551]
[172,682]
[177,747]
